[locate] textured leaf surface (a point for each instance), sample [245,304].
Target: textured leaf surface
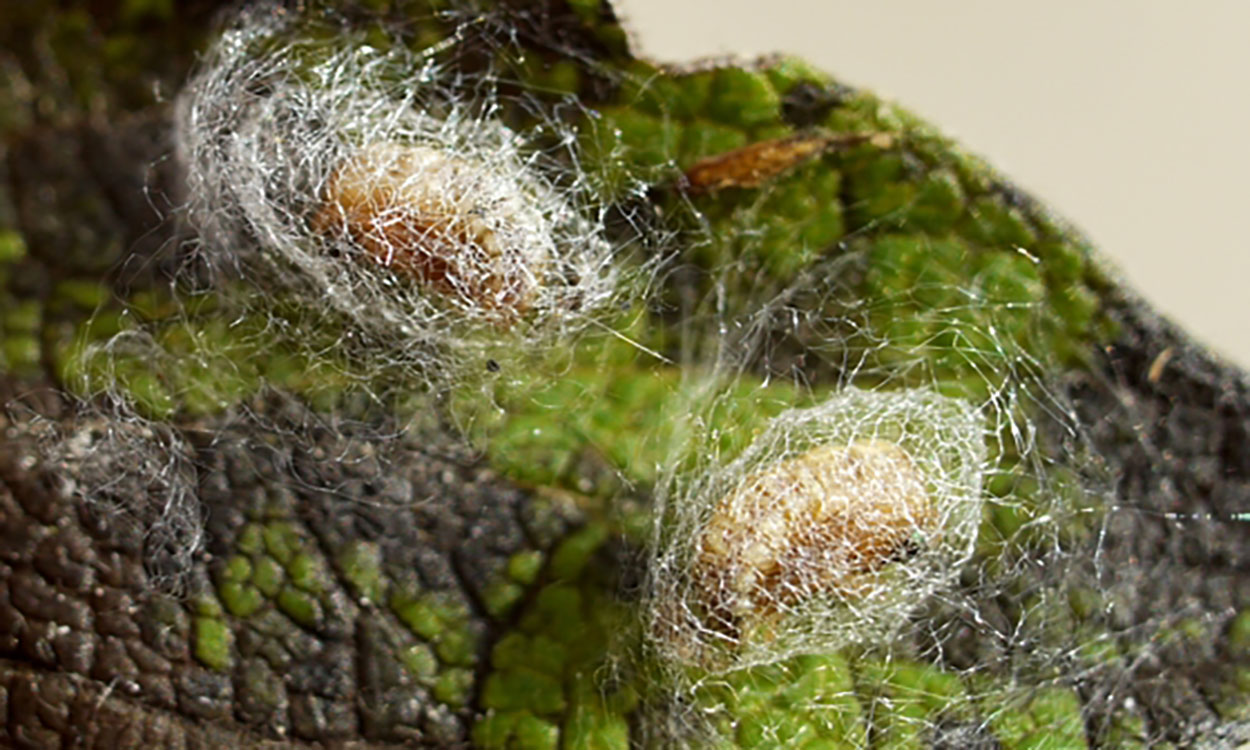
[369,580]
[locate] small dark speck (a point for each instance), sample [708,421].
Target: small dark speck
[492,365]
[807,104]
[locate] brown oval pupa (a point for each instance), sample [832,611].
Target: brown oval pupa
[818,524]
[450,224]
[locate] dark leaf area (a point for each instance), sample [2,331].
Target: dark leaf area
[1171,424]
[1157,586]
[94,650]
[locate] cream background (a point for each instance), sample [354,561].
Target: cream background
[1129,117]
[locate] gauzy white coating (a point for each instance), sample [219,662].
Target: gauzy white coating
[833,525]
[269,120]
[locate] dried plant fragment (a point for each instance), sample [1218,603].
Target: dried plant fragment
[439,220]
[810,526]
[756,164]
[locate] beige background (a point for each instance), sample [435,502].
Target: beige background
[1131,118]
